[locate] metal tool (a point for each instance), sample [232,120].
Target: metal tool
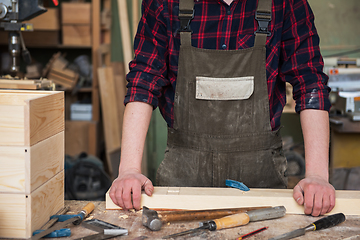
[65,220]
[65,232]
[154,220]
[323,223]
[104,227]
[236,184]
[236,220]
[252,233]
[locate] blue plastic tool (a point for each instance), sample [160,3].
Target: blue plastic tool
[236,184]
[65,232]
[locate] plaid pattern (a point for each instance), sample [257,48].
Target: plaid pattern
[293,53]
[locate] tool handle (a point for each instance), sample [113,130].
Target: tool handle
[234,220]
[329,221]
[65,232]
[88,209]
[191,215]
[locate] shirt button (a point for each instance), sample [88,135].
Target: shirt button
[228,12]
[223,46]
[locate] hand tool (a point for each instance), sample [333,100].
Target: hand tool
[236,184]
[322,223]
[104,227]
[65,232]
[65,220]
[153,219]
[236,220]
[252,233]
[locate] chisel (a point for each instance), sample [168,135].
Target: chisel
[322,223]
[236,220]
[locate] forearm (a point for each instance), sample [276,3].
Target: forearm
[315,127]
[137,117]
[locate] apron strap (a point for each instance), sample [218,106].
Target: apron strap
[263,17]
[186,14]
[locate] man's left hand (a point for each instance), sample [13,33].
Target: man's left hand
[316,194]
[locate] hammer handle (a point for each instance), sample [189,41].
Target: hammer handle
[200,215]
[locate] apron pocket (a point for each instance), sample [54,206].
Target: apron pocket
[237,88]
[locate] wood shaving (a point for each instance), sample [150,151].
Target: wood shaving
[89,218]
[124,216]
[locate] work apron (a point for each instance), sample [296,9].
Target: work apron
[221,118]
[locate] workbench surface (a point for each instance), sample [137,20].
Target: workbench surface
[350,229]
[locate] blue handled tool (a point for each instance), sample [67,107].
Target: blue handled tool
[236,184]
[65,220]
[65,232]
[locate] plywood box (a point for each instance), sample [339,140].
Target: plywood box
[75,13]
[31,160]
[28,117]
[78,35]
[21,214]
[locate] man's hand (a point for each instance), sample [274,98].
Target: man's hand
[316,194]
[126,190]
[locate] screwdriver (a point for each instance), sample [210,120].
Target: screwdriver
[322,223]
[236,220]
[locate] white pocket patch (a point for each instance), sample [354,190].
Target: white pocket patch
[237,88]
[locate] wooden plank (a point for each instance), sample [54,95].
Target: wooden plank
[95,8]
[46,117]
[125,33]
[23,169]
[12,127]
[195,198]
[22,214]
[13,169]
[76,35]
[120,89]
[9,84]
[76,13]
[18,97]
[109,112]
[47,159]
[45,201]
[109,108]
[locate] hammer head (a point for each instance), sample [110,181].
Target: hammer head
[150,219]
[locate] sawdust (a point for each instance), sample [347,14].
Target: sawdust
[124,216]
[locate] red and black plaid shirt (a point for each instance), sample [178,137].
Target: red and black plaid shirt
[293,53]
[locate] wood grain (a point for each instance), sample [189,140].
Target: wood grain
[21,214]
[192,198]
[76,35]
[46,118]
[31,116]
[76,13]
[125,33]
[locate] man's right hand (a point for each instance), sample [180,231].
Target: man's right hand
[126,190]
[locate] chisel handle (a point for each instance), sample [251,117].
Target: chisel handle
[329,221]
[234,220]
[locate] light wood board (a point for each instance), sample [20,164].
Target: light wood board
[125,33]
[21,214]
[193,198]
[31,116]
[109,112]
[23,169]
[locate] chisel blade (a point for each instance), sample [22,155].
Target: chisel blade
[290,235]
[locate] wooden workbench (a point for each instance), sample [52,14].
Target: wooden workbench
[350,229]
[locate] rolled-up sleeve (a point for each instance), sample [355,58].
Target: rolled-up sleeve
[148,70]
[301,61]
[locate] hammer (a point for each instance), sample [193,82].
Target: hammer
[153,219]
